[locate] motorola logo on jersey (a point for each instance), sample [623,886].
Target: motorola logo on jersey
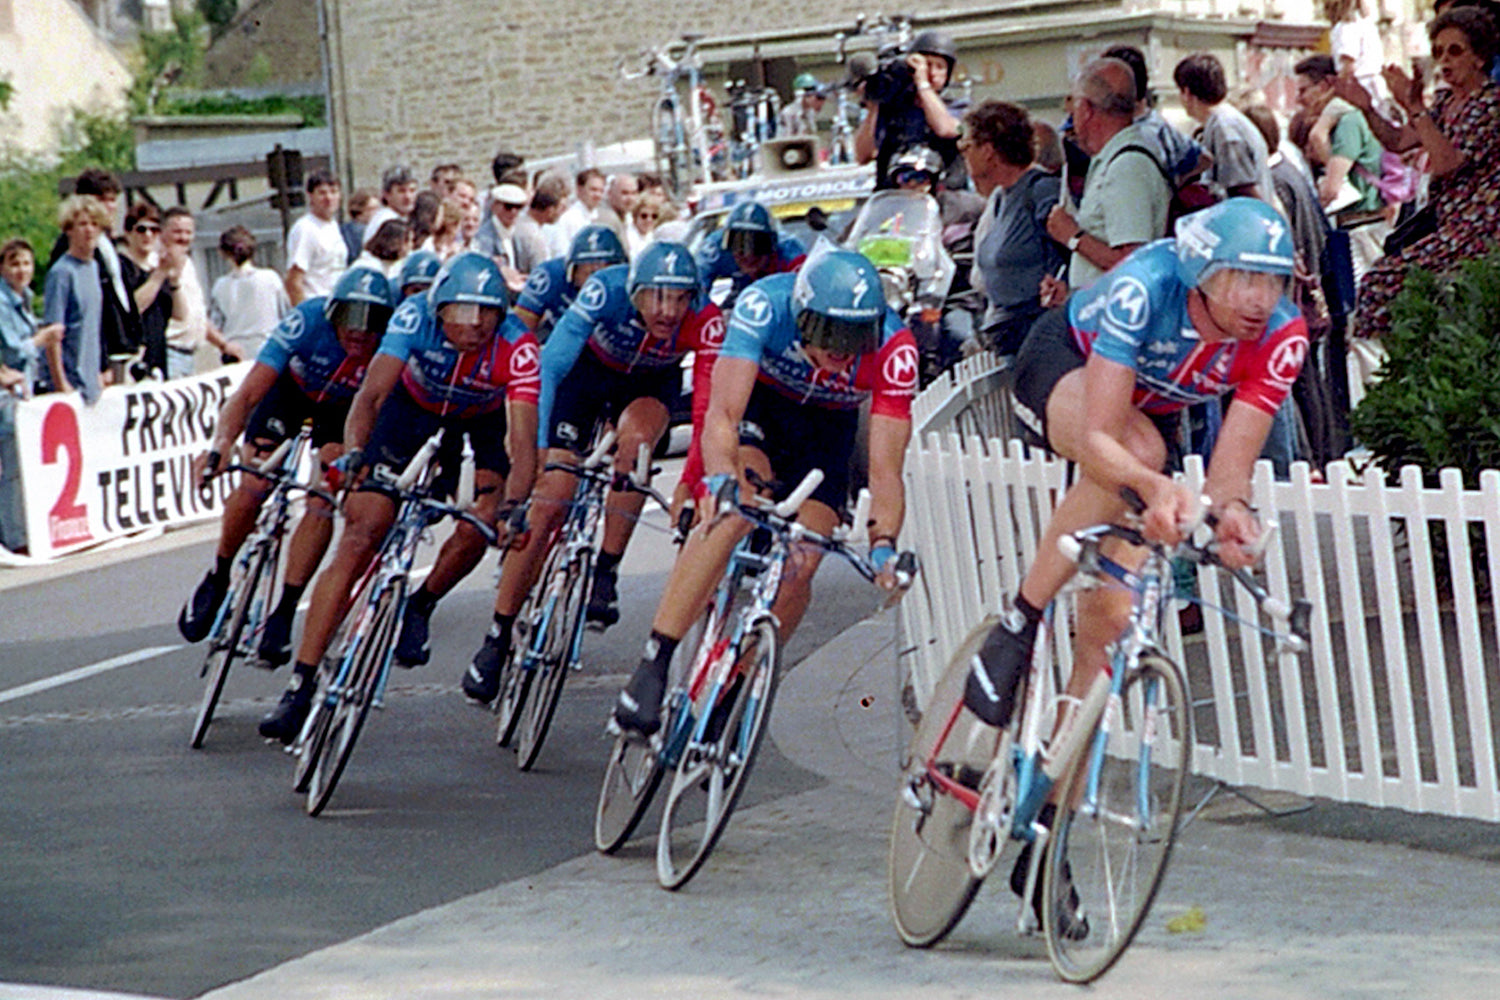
[593,295]
[713,332]
[524,361]
[754,308]
[900,368]
[539,282]
[292,326]
[1128,307]
[1286,360]
[566,433]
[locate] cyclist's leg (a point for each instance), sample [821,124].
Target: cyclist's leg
[466,546]
[241,508]
[703,560]
[642,422]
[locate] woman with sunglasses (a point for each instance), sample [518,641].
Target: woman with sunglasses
[1459,134]
[151,277]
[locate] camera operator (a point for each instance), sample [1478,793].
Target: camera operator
[904,94]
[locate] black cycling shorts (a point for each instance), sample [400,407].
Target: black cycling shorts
[402,427]
[592,391]
[798,438]
[286,407]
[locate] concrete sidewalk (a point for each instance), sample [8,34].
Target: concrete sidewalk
[793,904]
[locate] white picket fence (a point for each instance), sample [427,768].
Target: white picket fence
[1398,703]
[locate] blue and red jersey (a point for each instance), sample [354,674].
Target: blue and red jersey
[1137,315]
[306,346]
[449,382]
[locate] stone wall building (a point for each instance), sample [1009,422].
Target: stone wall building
[56,58]
[424,81]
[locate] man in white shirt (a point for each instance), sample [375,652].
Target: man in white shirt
[316,253]
[189,325]
[584,211]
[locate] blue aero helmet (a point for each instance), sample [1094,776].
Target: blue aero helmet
[838,303]
[750,229]
[471,281]
[593,247]
[418,272]
[362,299]
[663,266]
[1245,234]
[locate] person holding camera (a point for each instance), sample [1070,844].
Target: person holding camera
[907,108]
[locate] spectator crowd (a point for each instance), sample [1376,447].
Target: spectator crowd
[1380,169]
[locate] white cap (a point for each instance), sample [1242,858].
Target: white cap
[509,194]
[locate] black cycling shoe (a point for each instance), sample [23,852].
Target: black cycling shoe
[275,649]
[413,648]
[481,681]
[638,708]
[604,602]
[196,619]
[996,670]
[1073,922]
[285,720]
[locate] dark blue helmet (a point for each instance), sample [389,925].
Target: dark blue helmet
[362,299]
[663,265]
[420,268]
[469,277]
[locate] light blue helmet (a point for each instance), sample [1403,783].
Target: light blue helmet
[663,265]
[419,268]
[595,245]
[1242,233]
[469,277]
[362,299]
[838,303]
[750,229]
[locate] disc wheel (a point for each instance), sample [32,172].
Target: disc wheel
[931,884]
[711,775]
[353,703]
[1107,855]
[224,646]
[560,644]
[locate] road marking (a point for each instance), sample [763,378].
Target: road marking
[83,673]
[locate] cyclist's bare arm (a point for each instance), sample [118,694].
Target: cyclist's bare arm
[380,378]
[520,445]
[733,380]
[888,439]
[1228,484]
[237,410]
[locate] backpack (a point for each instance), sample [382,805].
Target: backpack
[1190,196]
[1397,182]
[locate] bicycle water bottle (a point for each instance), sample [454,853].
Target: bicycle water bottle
[465,496]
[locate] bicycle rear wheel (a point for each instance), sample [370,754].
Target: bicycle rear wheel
[931,884]
[1107,855]
[354,701]
[224,646]
[515,678]
[711,775]
[564,633]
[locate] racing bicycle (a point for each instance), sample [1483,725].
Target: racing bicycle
[1118,758]
[549,629]
[354,681]
[680,135]
[716,713]
[248,602]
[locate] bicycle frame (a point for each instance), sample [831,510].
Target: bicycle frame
[580,533]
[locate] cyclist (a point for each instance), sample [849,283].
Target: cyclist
[418,271]
[1180,321]
[616,353]
[749,247]
[553,284]
[801,353]
[451,359]
[309,369]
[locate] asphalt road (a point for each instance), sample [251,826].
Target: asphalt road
[129,862]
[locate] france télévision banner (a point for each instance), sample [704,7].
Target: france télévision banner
[121,466]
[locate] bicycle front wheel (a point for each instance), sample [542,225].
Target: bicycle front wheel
[931,884]
[560,646]
[225,643]
[712,773]
[353,702]
[515,678]
[1108,853]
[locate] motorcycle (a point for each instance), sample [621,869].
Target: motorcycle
[901,233]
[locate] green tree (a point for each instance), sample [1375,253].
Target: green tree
[169,58]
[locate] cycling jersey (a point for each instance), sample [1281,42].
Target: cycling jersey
[714,262]
[603,319]
[547,295]
[306,346]
[444,380]
[762,329]
[1137,315]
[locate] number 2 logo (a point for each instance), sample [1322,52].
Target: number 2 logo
[68,520]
